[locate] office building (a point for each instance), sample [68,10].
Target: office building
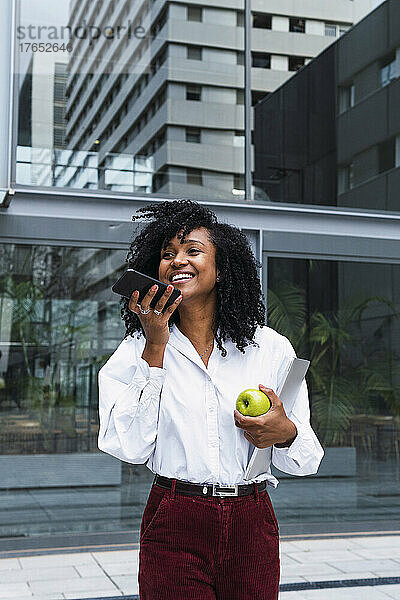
[174,92]
[330,264]
[341,145]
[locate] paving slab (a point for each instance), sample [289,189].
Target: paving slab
[324,544]
[314,569]
[104,574]
[40,574]
[124,568]
[89,570]
[343,576]
[82,595]
[9,564]
[379,552]
[13,590]
[328,556]
[366,565]
[393,591]
[391,541]
[56,560]
[83,584]
[356,593]
[116,556]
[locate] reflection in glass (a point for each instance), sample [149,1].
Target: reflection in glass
[334,316]
[108,91]
[59,323]
[321,138]
[128,78]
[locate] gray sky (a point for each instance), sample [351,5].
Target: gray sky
[44,13]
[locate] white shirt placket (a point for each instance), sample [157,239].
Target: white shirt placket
[212,427]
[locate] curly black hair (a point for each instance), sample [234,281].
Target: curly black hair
[239,307]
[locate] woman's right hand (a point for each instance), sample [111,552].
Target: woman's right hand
[155,326]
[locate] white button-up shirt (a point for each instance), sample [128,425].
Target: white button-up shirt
[179,418]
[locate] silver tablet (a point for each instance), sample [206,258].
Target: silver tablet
[288,389]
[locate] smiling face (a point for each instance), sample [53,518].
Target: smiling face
[194,260]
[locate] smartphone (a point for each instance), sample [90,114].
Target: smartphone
[132,280]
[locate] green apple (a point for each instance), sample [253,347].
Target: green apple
[253,403]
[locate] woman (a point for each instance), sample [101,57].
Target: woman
[167,398]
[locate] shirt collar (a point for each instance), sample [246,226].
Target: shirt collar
[179,341]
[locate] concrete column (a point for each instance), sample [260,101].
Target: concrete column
[280,23]
[279,62]
[398,62]
[315,27]
[6,53]
[397,155]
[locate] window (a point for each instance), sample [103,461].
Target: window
[240,19]
[160,179]
[239,96]
[257,96]
[343,29]
[194,53]
[387,155]
[296,62]
[159,24]
[346,97]
[193,135]
[330,29]
[262,21]
[260,60]
[194,176]
[195,13]
[238,139]
[388,71]
[238,182]
[193,92]
[297,25]
[345,178]
[240,58]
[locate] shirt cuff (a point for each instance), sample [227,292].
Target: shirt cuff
[144,376]
[144,373]
[298,451]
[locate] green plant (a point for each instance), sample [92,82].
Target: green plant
[349,373]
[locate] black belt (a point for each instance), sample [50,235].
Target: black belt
[209,489]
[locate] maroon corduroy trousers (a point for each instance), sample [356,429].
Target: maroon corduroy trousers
[194,548]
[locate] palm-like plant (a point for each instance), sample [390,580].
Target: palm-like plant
[287,311]
[342,384]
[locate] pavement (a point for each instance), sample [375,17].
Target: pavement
[362,560]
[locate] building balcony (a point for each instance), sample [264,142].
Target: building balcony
[221,158]
[288,43]
[337,12]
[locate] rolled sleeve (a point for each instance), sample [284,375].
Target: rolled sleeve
[303,456]
[129,399]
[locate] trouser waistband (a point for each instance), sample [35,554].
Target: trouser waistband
[209,489]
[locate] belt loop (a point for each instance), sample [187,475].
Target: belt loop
[256,493]
[172,490]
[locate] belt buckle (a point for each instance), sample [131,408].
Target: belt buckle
[225,490]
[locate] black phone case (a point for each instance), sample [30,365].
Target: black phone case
[132,280]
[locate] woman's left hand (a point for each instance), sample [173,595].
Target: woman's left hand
[272,428]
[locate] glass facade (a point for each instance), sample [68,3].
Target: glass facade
[331,135]
[345,317]
[60,322]
[109,92]
[132,100]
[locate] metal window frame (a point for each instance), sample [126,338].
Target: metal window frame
[61,216]
[99,218]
